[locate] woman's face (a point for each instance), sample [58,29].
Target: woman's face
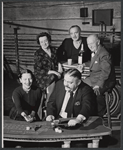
[44,42]
[26,81]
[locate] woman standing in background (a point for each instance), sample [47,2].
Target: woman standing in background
[46,65]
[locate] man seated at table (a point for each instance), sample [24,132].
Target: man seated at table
[71,47]
[102,73]
[71,98]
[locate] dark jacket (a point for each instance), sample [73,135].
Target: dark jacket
[102,71]
[84,100]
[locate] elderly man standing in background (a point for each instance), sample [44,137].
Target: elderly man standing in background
[102,73]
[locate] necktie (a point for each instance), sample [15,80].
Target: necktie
[69,107]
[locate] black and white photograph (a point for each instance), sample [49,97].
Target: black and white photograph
[61,74]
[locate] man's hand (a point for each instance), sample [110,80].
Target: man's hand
[60,69]
[50,118]
[28,118]
[73,122]
[96,90]
[32,114]
[81,67]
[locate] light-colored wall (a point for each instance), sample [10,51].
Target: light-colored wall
[50,15]
[60,16]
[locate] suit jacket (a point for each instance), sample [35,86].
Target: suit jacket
[67,50]
[102,71]
[84,100]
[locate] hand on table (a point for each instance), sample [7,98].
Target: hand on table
[50,118]
[29,118]
[33,115]
[73,122]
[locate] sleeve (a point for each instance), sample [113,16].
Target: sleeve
[105,65]
[17,98]
[38,66]
[39,100]
[55,59]
[88,100]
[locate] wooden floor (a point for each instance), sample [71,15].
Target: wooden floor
[113,141]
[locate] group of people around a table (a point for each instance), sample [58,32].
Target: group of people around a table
[68,95]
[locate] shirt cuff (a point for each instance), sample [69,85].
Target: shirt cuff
[23,114]
[96,86]
[81,118]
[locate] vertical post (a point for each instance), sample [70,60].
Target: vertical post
[108,109]
[66,144]
[16,48]
[95,143]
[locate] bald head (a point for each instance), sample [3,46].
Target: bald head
[93,42]
[93,37]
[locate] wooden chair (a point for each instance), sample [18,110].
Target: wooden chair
[44,100]
[108,108]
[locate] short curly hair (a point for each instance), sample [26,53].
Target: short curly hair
[43,34]
[25,71]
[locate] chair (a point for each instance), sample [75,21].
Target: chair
[41,109]
[45,97]
[108,107]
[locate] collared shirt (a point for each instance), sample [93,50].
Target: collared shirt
[66,98]
[62,113]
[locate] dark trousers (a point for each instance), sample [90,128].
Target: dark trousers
[101,105]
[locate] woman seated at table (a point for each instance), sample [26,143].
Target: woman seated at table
[26,98]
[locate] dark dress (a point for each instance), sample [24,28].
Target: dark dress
[67,50]
[44,63]
[25,102]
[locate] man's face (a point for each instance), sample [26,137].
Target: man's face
[71,83]
[93,44]
[75,33]
[44,42]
